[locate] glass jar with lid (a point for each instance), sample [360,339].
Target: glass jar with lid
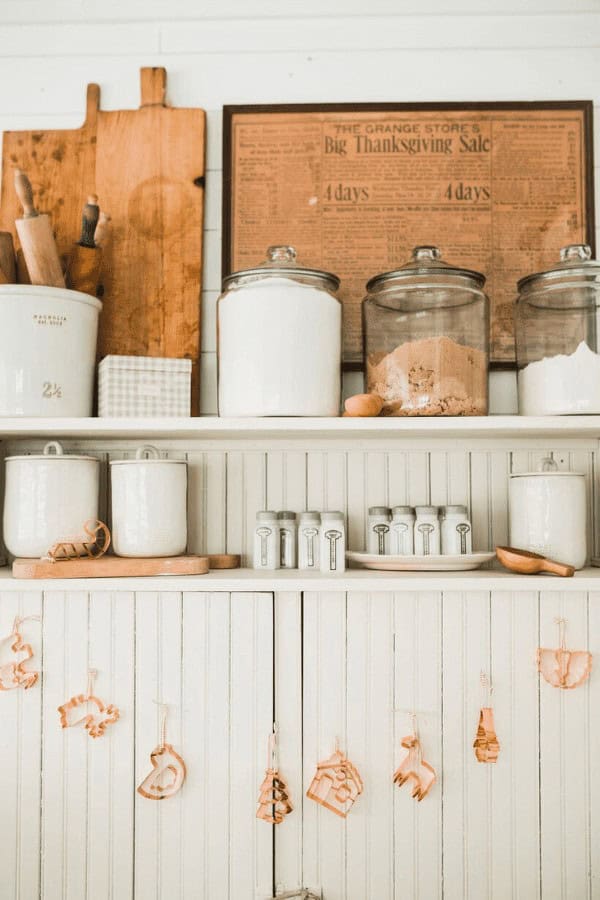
[426,339]
[556,331]
[279,340]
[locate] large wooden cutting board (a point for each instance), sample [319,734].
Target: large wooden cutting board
[147,167]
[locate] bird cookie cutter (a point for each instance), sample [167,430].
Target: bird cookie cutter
[336,784]
[486,744]
[563,668]
[168,768]
[413,767]
[274,800]
[95,722]
[14,674]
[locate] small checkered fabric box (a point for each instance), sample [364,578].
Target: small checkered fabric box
[144,386]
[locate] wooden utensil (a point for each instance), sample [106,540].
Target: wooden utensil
[147,165]
[8,267]
[224,561]
[36,237]
[110,567]
[83,271]
[526,563]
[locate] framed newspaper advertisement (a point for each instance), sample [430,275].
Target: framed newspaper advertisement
[499,187]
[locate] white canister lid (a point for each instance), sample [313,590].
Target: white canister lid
[147,454]
[53,450]
[548,467]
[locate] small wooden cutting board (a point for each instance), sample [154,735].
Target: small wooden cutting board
[110,567]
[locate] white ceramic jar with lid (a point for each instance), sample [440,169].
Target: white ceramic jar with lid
[266,540]
[309,531]
[280,340]
[427,531]
[548,513]
[378,530]
[333,542]
[48,497]
[287,539]
[149,505]
[456,532]
[402,531]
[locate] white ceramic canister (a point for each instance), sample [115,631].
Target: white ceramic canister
[548,514]
[402,528]
[149,505]
[47,498]
[378,530]
[457,536]
[309,538]
[333,542]
[267,548]
[47,351]
[280,340]
[427,531]
[287,539]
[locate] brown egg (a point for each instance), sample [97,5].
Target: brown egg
[363,405]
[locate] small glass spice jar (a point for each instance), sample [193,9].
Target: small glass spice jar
[333,542]
[378,530]
[457,535]
[287,539]
[266,540]
[309,534]
[402,538]
[427,531]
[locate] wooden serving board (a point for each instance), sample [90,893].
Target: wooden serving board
[110,567]
[147,167]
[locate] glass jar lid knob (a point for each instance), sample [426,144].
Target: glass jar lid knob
[281,254]
[575,251]
[428,253]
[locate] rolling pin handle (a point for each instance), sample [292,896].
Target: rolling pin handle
[25,194]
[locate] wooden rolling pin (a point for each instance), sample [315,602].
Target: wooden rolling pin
[36,237]
[83,270]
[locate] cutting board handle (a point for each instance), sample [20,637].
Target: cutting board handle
[92,104]
[153,83]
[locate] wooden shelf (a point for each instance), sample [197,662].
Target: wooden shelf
[248,580]
[215,428]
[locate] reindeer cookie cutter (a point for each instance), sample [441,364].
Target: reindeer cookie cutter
[14,674]
[563,668]
[168,768]
[274,799]
[412,765]
[95,722]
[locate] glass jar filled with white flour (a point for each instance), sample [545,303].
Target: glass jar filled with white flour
[280,340]
[556,330]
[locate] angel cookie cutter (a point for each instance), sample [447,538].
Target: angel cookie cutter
[413,767]
[563,668]
[336,784]
[13,674]
[98,719]
[168,768]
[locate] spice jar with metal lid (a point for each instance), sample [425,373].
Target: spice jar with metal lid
[556,330]
[280,340]
[425,328]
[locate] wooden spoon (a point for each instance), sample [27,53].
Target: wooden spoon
[526,563]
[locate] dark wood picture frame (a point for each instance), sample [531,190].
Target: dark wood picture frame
[230,112]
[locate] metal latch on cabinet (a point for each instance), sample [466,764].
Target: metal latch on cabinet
[299,894]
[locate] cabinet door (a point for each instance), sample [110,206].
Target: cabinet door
[210,658]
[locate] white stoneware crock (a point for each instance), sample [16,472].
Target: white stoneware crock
[149,505]
[47,351]
[548,514]
[48,497]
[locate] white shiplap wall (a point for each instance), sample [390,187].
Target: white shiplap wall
[261,51]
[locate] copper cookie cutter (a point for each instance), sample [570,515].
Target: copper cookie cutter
[486,744]
[563,668]
[274,799]
[95,722]
[336,784]
[166,764]
[412,765]
[92,544]
[14,674]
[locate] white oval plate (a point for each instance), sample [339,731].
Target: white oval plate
[461,563]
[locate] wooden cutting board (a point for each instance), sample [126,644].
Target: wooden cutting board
[147,167]
[110,567]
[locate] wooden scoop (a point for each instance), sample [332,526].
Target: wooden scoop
[526,563]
